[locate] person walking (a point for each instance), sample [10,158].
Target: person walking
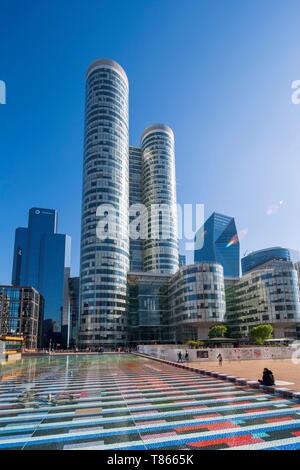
[186,356]
[220,359]
[179,356]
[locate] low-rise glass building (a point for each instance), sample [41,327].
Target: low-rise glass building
[148,308]
[197,301]
[2,351]
[21,313]
[257,258]
[269,294]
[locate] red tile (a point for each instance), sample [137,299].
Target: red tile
[277,420]
[194,407]
[230,441]
[253,410]
[210,427]
[208,415]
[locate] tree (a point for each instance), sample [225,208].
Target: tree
[217,331]
[191,343]
[194,344]
[228,332]
[260,333]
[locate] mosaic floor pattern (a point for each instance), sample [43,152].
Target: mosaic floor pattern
[131,403]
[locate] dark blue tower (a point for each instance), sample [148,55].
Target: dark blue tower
[217,241]
[42,261]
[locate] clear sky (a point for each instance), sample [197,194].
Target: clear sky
[218,72]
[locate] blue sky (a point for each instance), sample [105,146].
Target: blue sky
[218,72]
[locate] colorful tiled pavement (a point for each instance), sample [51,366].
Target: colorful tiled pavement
[132,403]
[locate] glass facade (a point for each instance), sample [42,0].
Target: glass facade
[217,242]
[182,260]
[20,313]
[135,197]
[105,262]
[41,260]
[74,311]
[297,267]
[2,351]
[269,294]
[197,300]
[148,308]
[257,258]
[159,189]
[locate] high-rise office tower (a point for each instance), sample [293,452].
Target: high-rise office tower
[217,241]
[74,311]
[65,318]
[135,199]
[121,176]
[104,261]
[42,260]
[297,267]
[182,260]
[159,196]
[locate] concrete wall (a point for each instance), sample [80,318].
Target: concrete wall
[7,357]
[205,355]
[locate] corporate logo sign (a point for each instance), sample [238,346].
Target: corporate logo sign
[2,92]
[42,211]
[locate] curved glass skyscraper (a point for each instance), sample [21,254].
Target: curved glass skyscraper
[104,261]
[159,197]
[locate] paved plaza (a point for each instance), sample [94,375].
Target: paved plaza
[286,372]
[127,402]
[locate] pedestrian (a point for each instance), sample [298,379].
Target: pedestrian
[179,356]
[220,359]
[267,378]
[186,356]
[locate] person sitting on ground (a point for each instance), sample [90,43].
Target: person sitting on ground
[267,378]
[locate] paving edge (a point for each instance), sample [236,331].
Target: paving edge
[284,392]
